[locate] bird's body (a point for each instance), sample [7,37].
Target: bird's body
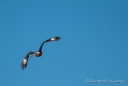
[38,53]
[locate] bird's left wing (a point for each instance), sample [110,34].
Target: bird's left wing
[25,60]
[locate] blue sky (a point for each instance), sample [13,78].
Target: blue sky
[94,44]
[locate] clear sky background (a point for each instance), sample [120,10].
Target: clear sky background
[94,42]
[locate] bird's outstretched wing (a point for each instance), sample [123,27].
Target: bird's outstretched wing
[40,49]
[25,60]
[49,40]
[53,39]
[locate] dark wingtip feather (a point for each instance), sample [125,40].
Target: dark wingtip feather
[24,65]
[57,38]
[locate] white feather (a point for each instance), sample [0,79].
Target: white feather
[24,61]
[52,39]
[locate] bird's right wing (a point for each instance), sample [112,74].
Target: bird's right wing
[49,40]
[25,60]
[53,39]
[40,49]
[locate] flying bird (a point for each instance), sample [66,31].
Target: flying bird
[38,53]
